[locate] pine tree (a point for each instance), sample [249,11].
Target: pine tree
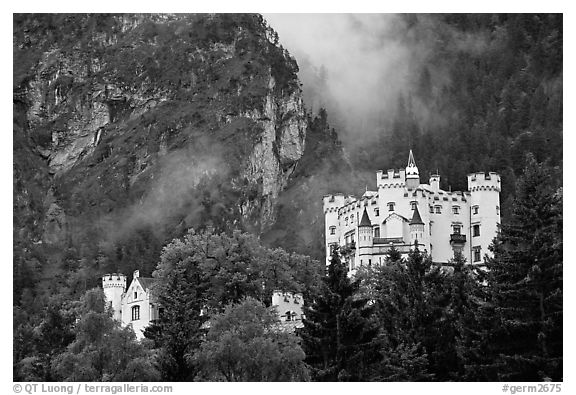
[338,334]
[180,292]
[522,318]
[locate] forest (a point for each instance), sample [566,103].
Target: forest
[407,320]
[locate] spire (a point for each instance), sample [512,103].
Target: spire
[416,218]
[411,161]
[412,169]
[365,221]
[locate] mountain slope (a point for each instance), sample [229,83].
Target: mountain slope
[130,129]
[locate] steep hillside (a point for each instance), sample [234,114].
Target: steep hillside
[128,130]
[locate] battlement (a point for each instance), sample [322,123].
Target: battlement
[114,280]
[484,182]
[282,298]
[393,178]
[331,203]
[289,305]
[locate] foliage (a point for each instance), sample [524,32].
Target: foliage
[205,271]
[338,333]
[247,343]
[521,337]
[102,351]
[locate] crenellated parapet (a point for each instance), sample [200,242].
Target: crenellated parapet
[484,182]
[393,178]
[114,280]
[332,203]
[288,304]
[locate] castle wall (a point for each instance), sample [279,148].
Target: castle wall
[288,303]
[448,218]
[113,286]
[485,195]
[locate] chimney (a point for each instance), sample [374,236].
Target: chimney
[136,273]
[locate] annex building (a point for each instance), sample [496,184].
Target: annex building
[404,212]
[137,305]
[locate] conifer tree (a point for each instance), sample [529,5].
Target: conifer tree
[338,334]
[522,319]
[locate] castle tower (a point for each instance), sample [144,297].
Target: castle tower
[435,182]
[289,305]
[484,212]
[331,222]
[416,228]
[412,175]
[114,286]
[365,235]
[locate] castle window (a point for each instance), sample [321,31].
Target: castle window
[369,262]
[333,247]
[391,206]
[346,220]
[474,209]
[135,313]
[332,230]
[456,229]
[431,209]
[135,295]
[376,212]
[497,210]
[456,209]
[288,316]
[413,205]
[476,230]
[377,231]
[352,219]
[477,256]
[438,209]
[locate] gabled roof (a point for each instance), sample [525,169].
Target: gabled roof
[395,215]
[416,218]
[146,282]
[365,221]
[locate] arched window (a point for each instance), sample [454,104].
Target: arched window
[135,313]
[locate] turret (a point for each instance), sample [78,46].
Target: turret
[332,203]
[365,237]
[485,212]
[416,227]
[289,305]
[435,182]
[412,175]
[114,286]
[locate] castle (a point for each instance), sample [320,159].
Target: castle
[404,213]
[137,306]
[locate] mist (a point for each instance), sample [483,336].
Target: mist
[360,66]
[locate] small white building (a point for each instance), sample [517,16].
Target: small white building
[289,308]
[403,212]
[137,305]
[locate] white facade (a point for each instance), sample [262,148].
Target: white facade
[403,211]
[289,306]
[135,306]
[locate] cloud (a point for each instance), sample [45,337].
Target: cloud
[359,65]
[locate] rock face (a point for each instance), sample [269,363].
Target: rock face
[206,110]
[275,157]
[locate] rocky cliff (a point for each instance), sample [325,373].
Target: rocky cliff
[130,129]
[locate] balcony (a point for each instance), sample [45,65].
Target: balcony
[348,248]
[456,238]
[388,240]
